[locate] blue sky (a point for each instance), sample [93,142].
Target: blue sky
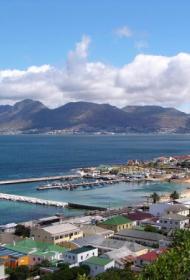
[43,31]
[125,52]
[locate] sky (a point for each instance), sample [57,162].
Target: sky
[122,52]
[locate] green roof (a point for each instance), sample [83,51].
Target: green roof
[98,261]
[117,220]
[32,247]
[82,249]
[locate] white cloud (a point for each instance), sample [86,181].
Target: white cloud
[148,79]
[124,31]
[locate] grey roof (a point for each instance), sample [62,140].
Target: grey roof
[82,249]
[175,208]
[175,217]
[107,243]
[8,252]
[92,240]
[140,234]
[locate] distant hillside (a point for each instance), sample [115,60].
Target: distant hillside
[90,117]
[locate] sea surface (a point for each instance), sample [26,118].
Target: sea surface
[23,156]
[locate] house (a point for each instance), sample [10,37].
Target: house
[13,258]
[173,221]
[79,255]
[8,228]
[99,265]
[117,223]
[148,258]
[126,253]
[178,209]
[3,276]
[160,208]
[57,233]
[139,217]
[37,251]
[140,236]
[89,229]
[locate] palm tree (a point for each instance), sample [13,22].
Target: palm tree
[174,195]
[155,197]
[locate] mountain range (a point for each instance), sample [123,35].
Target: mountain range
[32,116]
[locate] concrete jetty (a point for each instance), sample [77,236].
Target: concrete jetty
[74,186]
[38,179]
[32,200]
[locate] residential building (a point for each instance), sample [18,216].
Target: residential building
[57,233]
[76,256]
[99,265]
[173,221]
[140,236]
[148,258]
[13,258]
[37,251]
[139,217]
[160,208]
[8,228]
[179,209]
[117,223]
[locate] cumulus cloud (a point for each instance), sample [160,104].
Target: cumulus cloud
[147,80]
[124,31]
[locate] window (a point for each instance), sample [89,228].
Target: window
[81,257]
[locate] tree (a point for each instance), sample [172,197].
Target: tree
[21,230]
[155,197]
[174,195]
[19,273]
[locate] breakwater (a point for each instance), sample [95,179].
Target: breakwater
[38,179]
[32,200]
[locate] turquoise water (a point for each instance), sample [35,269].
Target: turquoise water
[27,156]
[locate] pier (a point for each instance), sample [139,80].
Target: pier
[74,186]
[32,200]
[39,179]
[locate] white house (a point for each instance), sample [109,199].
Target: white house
[76,256]
[173,221]
[99,265]
[158,209]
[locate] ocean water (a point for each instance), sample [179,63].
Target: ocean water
[24,156]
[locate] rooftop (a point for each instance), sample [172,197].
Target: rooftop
[8,252]
[138,216]
[151,256]
[32,247]
[175,217]
[60,228]
[117,220]
[175,208]
[141,234]
[93,230]
[82,249]
[98,261]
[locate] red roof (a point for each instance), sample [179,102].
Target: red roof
[151,256]
[139,215]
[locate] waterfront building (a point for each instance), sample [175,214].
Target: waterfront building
[57,234]
[79,255]
[173,221]
[117,223]
[99,265]
[139,217]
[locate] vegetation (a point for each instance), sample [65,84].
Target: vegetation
[23,231]
[19,273]
[155,197]
[174,195]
